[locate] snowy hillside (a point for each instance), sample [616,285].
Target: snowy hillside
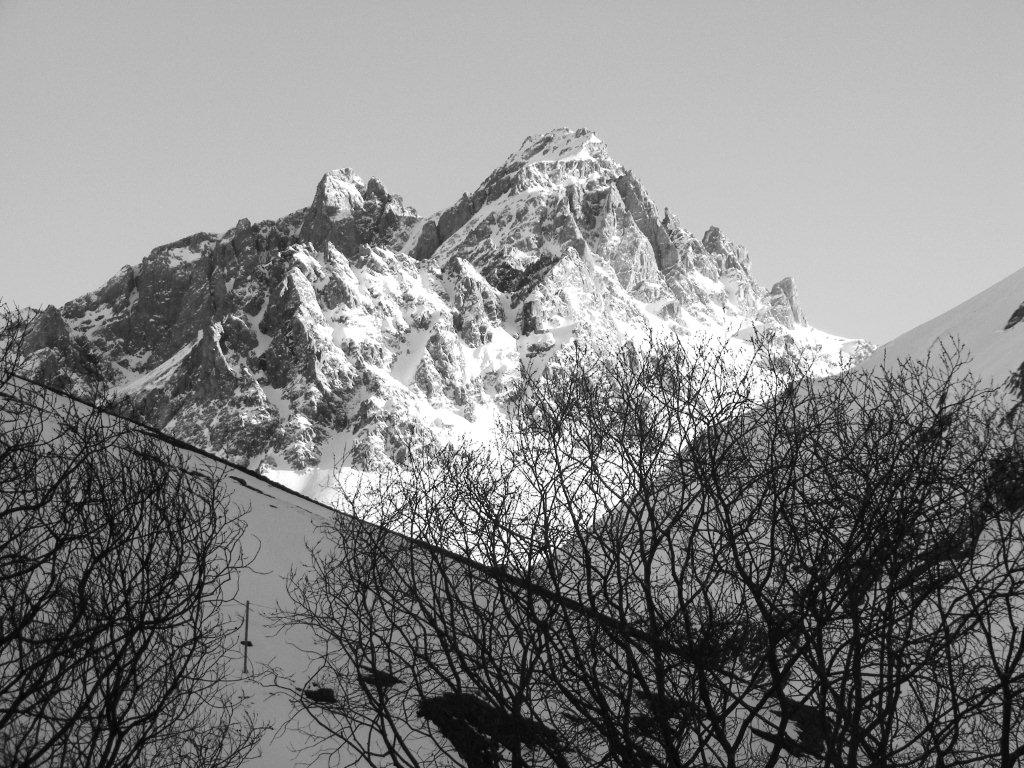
[354,331]
[279,524]
[989,325]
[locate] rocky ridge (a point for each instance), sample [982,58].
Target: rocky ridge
[355,330]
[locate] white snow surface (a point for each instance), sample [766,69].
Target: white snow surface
[979,324]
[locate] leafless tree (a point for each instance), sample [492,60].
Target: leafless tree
[673,557]
[116,558]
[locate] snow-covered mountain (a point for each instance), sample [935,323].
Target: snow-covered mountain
[990,326]
[354,330]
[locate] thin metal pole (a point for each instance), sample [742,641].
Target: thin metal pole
[245,642]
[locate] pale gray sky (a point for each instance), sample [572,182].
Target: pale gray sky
[874,151]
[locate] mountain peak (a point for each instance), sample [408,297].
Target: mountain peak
[341,190]
[348,212]
[355,330]
[560,145]
[715,242]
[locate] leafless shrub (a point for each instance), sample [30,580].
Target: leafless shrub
[116,559]
[672,560]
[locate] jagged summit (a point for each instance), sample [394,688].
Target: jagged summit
[348,212]
[560,145]
[356,330]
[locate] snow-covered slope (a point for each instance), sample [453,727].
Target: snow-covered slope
[989,325]
[354,331]
[279,524]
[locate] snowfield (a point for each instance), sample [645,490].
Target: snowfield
[984,324]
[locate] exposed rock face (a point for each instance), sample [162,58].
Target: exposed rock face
[64,360]
[348,213]
[1016,317]
[785,307]
[354,330]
